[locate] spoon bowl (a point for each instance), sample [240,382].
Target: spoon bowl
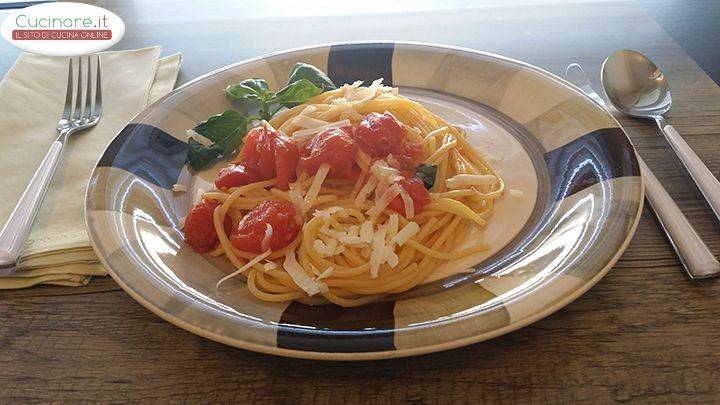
[636,87]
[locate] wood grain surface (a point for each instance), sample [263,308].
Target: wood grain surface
[643,334]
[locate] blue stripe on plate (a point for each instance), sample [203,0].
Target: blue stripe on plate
[330,328]
[598,156]
[148,152]
[367,62]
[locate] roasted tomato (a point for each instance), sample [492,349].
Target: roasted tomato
[251,230]
[287,155]
[406,160]
[418,193]
[270,154]
[380,134]
[336,147]
[199,229]
[235,175]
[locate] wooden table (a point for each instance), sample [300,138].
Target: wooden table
[644,333]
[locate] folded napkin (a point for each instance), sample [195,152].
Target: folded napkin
[32,96]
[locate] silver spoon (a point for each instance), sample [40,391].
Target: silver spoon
[697,259]
[636,87]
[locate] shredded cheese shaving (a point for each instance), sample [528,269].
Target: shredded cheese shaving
[265,244]
[465,180]
[304,121]
[198,138]
[384,200]
[268,265]
[408,231]
[378,253]
[408,202]
[368,188]
[247,265]
[179,188]
[303,135]
[314,189]
[299,276]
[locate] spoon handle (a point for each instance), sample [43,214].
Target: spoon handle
[706,182]
[699,261]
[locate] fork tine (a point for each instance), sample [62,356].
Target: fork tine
[97,110]
[88,91]
[69,92]
[77,114]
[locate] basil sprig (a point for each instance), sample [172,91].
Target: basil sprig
[257,102]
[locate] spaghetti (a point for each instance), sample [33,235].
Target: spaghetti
[366,231]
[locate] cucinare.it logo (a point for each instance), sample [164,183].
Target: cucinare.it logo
[62,29]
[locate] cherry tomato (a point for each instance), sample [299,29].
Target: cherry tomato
[380,134]
[199,229]
[287,155]
[281,215]
[418,194]
[406,161]
[235,175]
[270,154]
[336,147]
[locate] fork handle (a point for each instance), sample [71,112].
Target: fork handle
[698,260]
[17,227]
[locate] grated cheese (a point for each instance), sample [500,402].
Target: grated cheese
[314,189]
[304,121]
[303,135]
[351,89]
[390,257]
[464,180]
[384,200]
[267,266]
[408,202]
[296,198]
[408,231]
[198,138]
[366,232]
[367,93]
[179,188]
[392,226]
[385,173]
[197,197]
[377,255]
[308,110]
[299,276]
[265,244]
[371,184]
[247,265]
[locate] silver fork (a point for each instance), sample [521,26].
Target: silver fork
[81,112]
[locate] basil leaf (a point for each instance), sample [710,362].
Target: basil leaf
[218,127]
[250,94]
[312,74]
[296,93]
[226,130]
[260,86]
[200,155]
[426,173]
[235,139]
